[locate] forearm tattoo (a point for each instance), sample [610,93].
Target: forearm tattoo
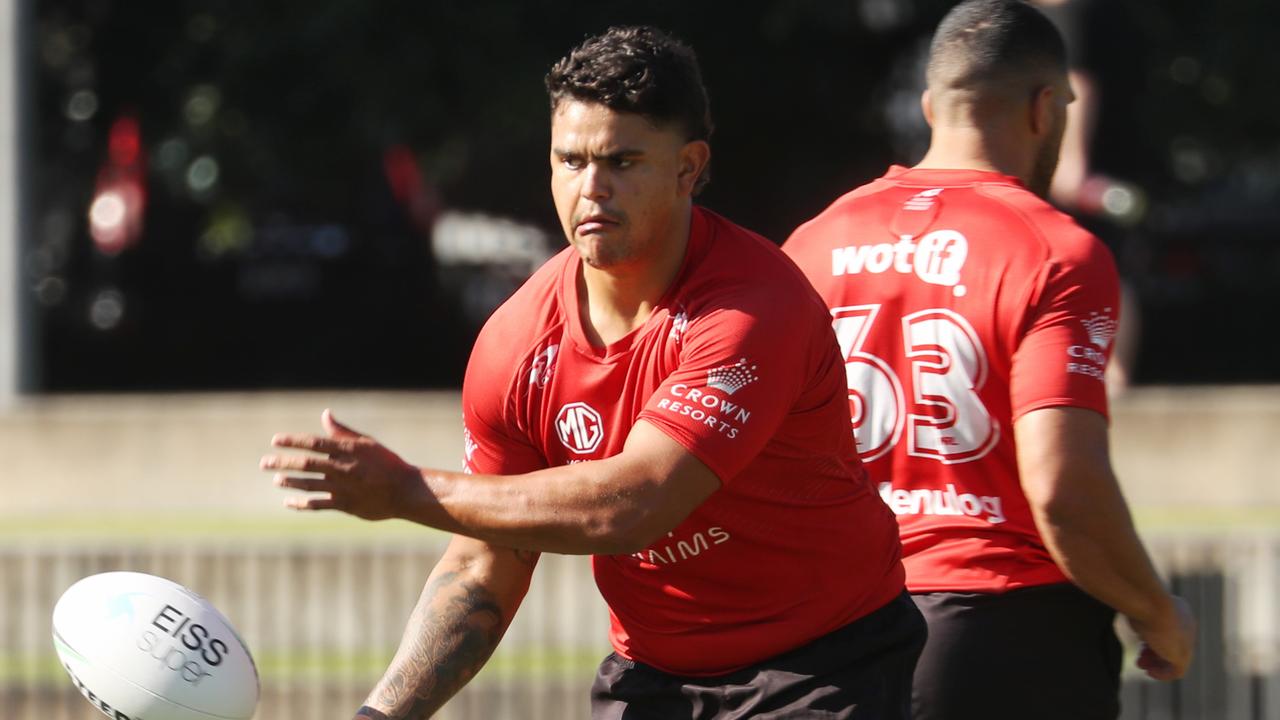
[451,634]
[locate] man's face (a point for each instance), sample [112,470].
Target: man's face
[619,183]
[1046,159]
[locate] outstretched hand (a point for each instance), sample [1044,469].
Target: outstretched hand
[351,472]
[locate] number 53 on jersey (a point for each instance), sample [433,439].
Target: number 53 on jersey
[938,409]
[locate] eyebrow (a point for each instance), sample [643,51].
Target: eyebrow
[620,154]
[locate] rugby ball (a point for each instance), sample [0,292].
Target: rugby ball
[140,647]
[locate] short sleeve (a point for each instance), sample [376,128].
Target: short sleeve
[493,441]
[1062,357]
[741,370]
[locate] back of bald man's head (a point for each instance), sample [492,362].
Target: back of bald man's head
[988,50]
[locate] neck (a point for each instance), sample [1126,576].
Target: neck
[616,300]
[973,148]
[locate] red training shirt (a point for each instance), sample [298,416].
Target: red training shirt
[961,301]
[738,364]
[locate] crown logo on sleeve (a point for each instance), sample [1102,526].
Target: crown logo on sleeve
[732,378]
[1101,328]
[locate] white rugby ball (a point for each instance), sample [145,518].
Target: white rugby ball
[141,647]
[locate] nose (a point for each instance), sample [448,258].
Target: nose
[596,184]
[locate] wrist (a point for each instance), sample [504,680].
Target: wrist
[411,495]
[1160,612]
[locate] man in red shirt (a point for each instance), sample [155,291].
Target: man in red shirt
[666,395]
[976,322]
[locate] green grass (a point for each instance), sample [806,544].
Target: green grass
[329,667]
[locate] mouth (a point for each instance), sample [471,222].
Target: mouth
[595,223]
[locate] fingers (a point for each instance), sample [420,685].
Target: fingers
[315,443]
[303,463]
[335,428]
[340,442]
[311,502]
[305,484]
[1168,643]
[1155,666]
[323,485]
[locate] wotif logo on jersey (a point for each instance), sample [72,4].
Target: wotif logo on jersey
[937,258]
[580,427]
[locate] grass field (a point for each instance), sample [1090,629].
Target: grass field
[325,667]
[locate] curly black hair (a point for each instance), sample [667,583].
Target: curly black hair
[640,70]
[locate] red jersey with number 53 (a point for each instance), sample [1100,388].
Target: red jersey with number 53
[961,301]
[738,364]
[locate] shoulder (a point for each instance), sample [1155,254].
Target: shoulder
[845,211]
[514,334]
[743,269]
[1064,244]
[745,298]
[532,307]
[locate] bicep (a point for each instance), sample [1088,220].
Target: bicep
[673,479]
[736,384]
[1063,458]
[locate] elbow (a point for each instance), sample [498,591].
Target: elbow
[1085,503]
[1056,516]
[1068,521]
[625,532]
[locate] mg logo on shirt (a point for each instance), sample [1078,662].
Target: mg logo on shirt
[580,427]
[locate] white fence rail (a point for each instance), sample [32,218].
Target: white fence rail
[322,623]
[324,619]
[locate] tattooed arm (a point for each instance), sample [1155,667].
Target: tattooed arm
[465,608]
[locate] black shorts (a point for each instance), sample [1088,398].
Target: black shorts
[1044,652]
[861,671]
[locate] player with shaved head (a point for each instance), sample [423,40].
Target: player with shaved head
[976,323]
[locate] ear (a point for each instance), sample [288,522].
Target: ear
[926,104]
[694,157]
[1042,109]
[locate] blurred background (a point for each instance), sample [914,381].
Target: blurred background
[219,218]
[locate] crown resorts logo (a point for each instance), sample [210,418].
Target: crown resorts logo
[1101,328]
[732,378]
